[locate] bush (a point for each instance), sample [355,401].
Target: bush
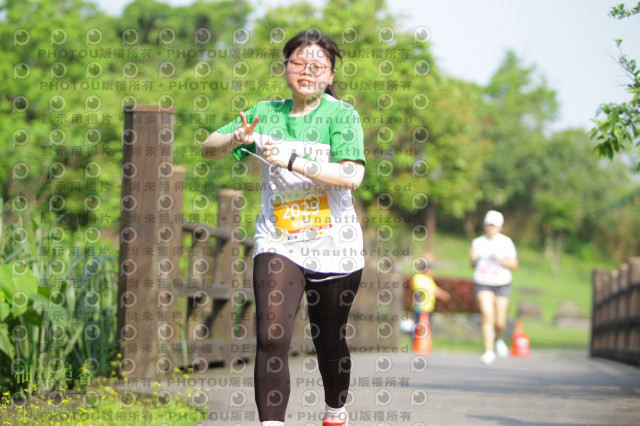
[463,298]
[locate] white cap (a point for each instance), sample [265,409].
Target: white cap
[493,218]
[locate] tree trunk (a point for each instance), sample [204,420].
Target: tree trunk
[431,227]
[560,238]
[469,227]
[548,242]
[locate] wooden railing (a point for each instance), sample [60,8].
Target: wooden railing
[615,321]
[167,321]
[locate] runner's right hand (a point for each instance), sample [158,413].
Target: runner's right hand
[243,134]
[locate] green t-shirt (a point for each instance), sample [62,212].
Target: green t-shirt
[334,123]
[314,225]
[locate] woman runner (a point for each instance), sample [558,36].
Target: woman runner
[494,256]
[308,237]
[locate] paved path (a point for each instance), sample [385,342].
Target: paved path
[550,388]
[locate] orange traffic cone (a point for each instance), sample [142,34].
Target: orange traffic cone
[422,336]
[520,344]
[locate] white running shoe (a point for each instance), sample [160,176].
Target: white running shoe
[488,357]
[335,417]
[501,348]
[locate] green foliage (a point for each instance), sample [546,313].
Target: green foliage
[57,307]
[619,127]
[429,138]
[518,105]
[558,213]
[621,12]
[550,186]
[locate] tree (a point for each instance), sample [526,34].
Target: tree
[619,129]
[517,105]
[145,16]
[563,188]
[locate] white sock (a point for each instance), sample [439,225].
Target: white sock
[271,423]
[335,414]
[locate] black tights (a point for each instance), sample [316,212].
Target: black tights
[278,284]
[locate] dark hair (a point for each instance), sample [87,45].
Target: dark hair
[324,41]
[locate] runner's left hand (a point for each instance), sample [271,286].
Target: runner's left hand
[276,154]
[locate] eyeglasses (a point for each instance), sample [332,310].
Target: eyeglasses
[315,68]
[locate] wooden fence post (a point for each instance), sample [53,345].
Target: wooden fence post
[147,157]
[225,253]
[242,301]
[597,316]
[615,319]
[634,308]
[170,235]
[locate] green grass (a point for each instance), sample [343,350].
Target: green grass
[106,406]
[541,335]
[548,336]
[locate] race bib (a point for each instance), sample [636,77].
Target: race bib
[489,269]
[302,214]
